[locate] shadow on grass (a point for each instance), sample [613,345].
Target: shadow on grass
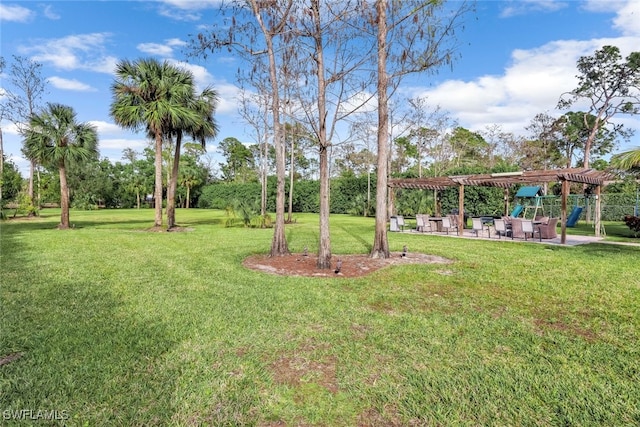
[358,237]
[49,223]
[607,249]
[82,350]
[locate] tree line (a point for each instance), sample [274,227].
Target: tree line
[320,94]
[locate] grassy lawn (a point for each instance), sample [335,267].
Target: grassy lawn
[111,325]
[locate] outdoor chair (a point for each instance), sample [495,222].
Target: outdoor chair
[448,224]
[396,223]
[548,230]
[478,227]
[516,228]
[401,222]
[422,223]
[528,228]
[500,227]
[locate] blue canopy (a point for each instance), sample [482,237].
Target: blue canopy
[529,191]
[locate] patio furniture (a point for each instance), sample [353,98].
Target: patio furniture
[396,223]
[528,228]
[516,228]
[548,230]
[478,226]
[500,227]
[435,223]
[422,223]
[449,224]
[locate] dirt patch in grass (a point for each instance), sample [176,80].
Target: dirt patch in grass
[351,265]
[296,369]
[372,418]
[5,360]
[168,230]
[559,326]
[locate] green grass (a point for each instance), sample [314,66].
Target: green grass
[117,326]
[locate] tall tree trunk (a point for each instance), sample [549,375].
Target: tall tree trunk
[32,168]
[64,197]
[368,191]
[158,178]
[30,187]
[291,160]
[279,245]
[263,172]
[39,197]
[380,247]
[324,246]
[188,197]
[173,184]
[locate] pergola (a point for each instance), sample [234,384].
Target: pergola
[508,179]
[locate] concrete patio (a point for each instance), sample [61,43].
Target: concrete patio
[571,240]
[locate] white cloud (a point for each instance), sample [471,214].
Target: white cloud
[227,92]
[107,128]
[627,20]
[176,42]
[122,143]
[212,148]
[76,52]
[524,7]
[14,13]
[186,10]
[201,75]
[162,50]
[179,15]
[228,98]
[66,84]
[157,49]
[627,14]
[192,4]
[531,84]
[49,12]
[10,128]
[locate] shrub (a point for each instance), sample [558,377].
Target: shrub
[633,222]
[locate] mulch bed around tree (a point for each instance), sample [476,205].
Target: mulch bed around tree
[352,265]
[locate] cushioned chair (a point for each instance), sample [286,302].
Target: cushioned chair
[516,228]
[548,230]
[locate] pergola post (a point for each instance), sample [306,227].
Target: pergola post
[461,223]
[563,213]
[598,213]
[392,198]
[506,202]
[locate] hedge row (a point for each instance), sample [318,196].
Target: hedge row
[349,196]
[345,194]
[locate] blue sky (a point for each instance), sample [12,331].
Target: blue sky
[517,57]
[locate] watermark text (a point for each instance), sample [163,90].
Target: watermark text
[34,415]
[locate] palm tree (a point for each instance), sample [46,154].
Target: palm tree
[154,95]
[54,138]
[627,160]
[189,177]
[204,128]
